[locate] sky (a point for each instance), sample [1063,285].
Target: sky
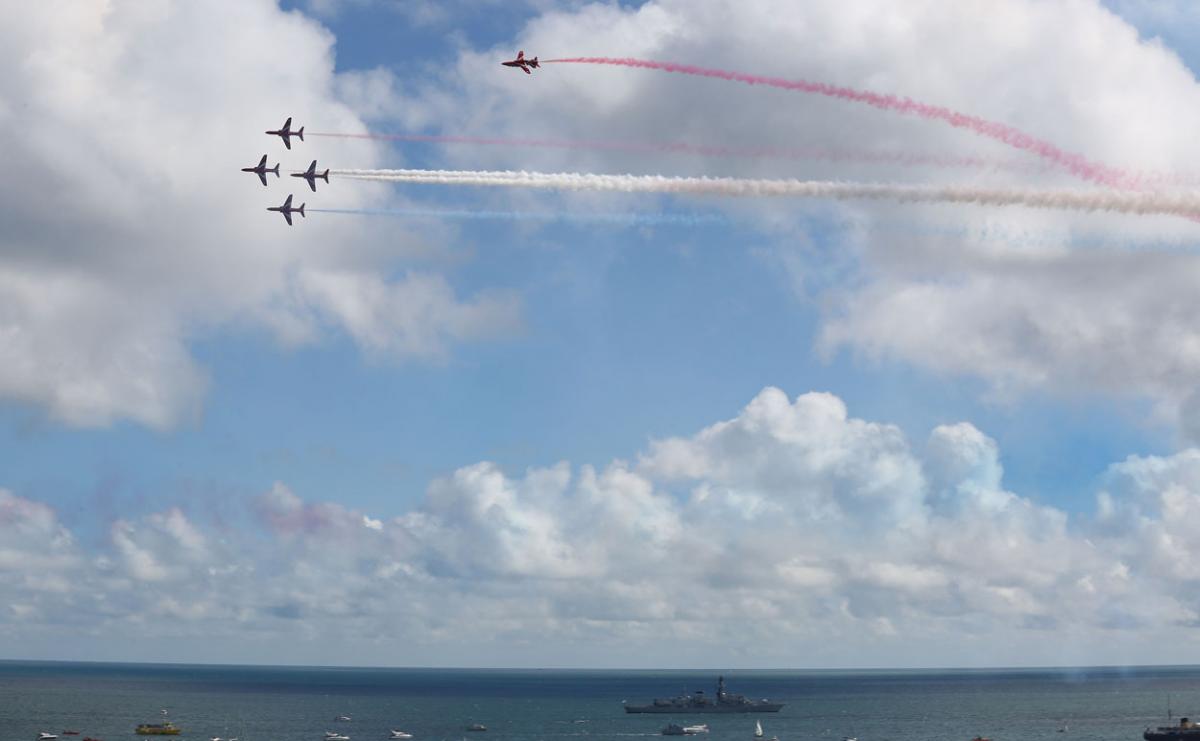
[653,431]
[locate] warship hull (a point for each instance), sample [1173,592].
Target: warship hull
[698,702]
[765,707]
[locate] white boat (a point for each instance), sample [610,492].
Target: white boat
[400,734]
[43,736]
[698,728]
[337,737]
[343,717]
[758,732]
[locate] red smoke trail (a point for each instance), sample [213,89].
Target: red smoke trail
[1073,163]
[813,153]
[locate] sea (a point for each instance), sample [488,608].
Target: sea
[260,703]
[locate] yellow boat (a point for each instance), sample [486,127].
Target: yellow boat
[158,729]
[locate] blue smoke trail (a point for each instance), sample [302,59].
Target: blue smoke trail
[577,217]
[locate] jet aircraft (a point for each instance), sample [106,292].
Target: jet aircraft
[287,210]
[262,170]
[522,63]
[312,176]
[285,132]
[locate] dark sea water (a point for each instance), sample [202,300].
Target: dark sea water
[298,704]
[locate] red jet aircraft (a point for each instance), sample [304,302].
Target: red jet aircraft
[522,63]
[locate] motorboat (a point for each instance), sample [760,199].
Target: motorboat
[43,736]
[400,734]
[698,728]
[477,727]
[336,737]
[343,717]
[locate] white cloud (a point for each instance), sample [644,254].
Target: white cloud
[126,228]
[792,520]
[955,291]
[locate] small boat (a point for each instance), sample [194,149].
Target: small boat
[674,729]
[343,717]
[158,729]
[758,732]
[400,734]
[698,728]
[43,736]
[337,737]
[477,727]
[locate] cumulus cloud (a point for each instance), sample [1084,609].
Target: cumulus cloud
[127,229]
[792,521]
[1022,300]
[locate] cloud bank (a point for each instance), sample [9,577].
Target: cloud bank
[792,534]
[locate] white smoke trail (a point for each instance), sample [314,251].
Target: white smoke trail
[1185,204]
[622,219]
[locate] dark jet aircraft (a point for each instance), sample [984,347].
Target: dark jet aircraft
[285,132]
[262,170]
[522,63]
[287,210]
[312,176]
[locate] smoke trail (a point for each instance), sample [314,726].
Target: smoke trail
[1131,202]
[809,153]
[623,219]
[1073,163]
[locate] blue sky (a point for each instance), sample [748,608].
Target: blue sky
[629,341]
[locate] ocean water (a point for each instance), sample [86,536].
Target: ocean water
[106,701]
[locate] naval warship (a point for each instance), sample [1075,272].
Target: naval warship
[698,702]
[1185,731]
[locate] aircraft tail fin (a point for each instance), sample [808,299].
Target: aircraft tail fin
[533,62]
[300,134]
[275,169]
[301,210]
[325,176]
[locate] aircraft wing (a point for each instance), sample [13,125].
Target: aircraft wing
[262,175]
[287,215]
[526,70]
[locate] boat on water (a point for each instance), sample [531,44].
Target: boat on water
[330,736]
[697,728]
[758,732]
[1186,730]
[166,728]
[343,717]
[698,702]
[44,736]
[674,729]
[477,727]
[70,733]
[400,734]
